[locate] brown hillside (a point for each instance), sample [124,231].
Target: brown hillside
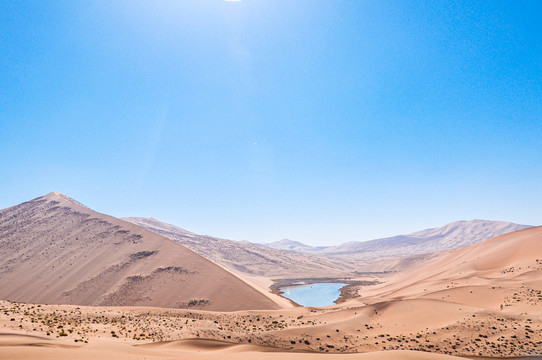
[55,250]
[251,259]
[514,258]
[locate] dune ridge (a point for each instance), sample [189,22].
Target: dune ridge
[248,258]
[55,250]
[481,300]
[450,236]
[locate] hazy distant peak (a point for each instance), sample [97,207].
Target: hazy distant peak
[287,244]
[477,226]
[450,236]
[291,242]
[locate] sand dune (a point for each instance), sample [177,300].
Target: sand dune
[500,261]
[248,258]
[20,348]
[480,300]
[55,250]
[287,259]
[14,339]
[450,236]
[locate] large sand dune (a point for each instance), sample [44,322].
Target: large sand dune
[287,259]
[55,250]
[248,258]
[18,346]
[450,236]
[510,259]
[480,300]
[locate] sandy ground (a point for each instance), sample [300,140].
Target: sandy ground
[16,346]
[481,300]
[424,324]
[55,250]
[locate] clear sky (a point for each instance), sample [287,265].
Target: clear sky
[318,121]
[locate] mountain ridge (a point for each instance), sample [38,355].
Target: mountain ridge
[449,236]
[247,257]
[55,250]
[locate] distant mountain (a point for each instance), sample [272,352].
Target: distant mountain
[453,235]
[248,258]
[55,250]
[291,245]
[506,263]
[288,258]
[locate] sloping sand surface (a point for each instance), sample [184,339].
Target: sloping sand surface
[501,261]
[55,250]
[185,349]
[243,257]
[482,300]
[450,236]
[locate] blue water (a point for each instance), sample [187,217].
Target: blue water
[321,294]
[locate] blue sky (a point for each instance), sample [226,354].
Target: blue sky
[318,121]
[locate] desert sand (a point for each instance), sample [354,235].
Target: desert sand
[55,250]
[67,332]
[248,259]
[450,236]
[480,300]
[14,346]
[284,258]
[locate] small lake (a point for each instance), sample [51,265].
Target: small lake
[321,294]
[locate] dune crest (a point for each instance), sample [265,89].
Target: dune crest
[56,250]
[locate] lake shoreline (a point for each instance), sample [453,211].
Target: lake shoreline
[348,291]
